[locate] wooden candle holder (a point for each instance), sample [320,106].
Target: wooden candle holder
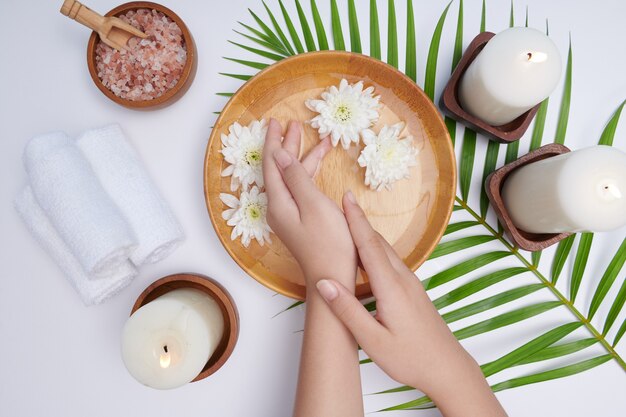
[493,186]
[451,105]
[214,290]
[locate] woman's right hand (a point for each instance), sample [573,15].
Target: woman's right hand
[407,338]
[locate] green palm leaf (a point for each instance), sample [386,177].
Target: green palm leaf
[607,279]
[491,159]
[355,37]
[505,319]
[275,46]
[279,31]
[468,150]
[455,227]
[476,285]
[456,57]
[463,268]
[374,31]
[561,127]
[339,43]
[259,52]
[562,253]
[460,244]
[306,29]
[411,45]
[322,40]
[609,131]
[275,40]
[552,374]
[392,36]
[433,54]
[582,255]
[291,28]
[491,302]
[558,351]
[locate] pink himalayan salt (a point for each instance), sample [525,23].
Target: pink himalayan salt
[151,66]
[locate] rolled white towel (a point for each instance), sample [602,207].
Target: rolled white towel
[66,188]
[91,291]
[125,179]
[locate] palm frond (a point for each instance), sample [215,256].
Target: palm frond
[504,263]
[291,28]
[374,31]
[456,57]
[306,29]
[561,127]
[410,68]
[433,55]
[338,41]
[355,36]
[322,40]
[392,35]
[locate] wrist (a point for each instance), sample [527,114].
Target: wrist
[460,383]
[344,273]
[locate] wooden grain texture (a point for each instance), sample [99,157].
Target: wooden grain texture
[412,217]
[112,30]
[450,104]
[173,94]
[493,187]
[214,290]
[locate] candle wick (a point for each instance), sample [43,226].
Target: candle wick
[530,56]
[165,348]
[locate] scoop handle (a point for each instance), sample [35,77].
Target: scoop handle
[82,14]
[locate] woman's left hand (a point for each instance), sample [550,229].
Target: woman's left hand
[309,223]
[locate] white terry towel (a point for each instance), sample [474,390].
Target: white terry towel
[66,188]
[91,291]
[124,178]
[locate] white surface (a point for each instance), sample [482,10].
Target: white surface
[59,358]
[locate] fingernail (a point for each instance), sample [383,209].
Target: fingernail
[327,289]
[282,158]
[350,197]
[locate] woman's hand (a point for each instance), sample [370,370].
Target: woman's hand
[408,338]
[310,224]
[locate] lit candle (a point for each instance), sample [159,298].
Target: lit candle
[584,190]
[517,69]
[167,342]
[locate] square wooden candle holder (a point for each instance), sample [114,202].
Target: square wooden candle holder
[451,106]
[493,186]
[214,290]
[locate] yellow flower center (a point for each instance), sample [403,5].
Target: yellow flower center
[254,211]
[343,113]
[254,157]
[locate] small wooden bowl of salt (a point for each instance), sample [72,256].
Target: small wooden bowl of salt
[151,73]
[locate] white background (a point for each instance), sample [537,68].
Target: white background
[59,358]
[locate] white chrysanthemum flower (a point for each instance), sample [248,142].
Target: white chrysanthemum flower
[386,157]
[247,215]
[243,151]
[344,112]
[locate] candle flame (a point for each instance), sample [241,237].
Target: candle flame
[165,360]
[536,56]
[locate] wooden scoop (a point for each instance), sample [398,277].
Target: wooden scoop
[112,30]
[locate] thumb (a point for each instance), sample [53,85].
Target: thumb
[366,330]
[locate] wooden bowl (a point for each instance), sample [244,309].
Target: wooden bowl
[186,78]
[214,290]
[412,216]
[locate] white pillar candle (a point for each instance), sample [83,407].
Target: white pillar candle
[167,342]
[583,190]
[516,70]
